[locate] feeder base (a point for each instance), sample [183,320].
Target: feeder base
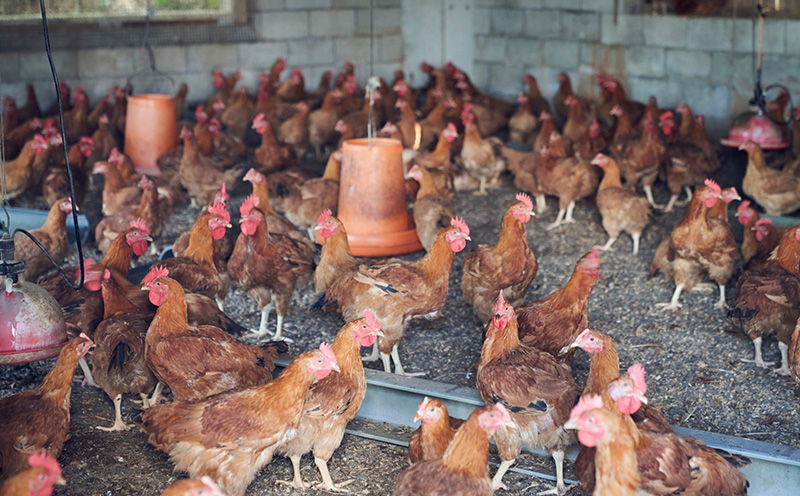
[10,357]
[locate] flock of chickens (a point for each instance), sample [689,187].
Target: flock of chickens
[229,417]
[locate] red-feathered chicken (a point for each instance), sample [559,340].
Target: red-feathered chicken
[193,487]
[641,159]
[621,209]
[399,291]
[198,174]
[768,299]
[231,436]
[294,131]
[336,258]
[433,209]
[37,480]
[322,121]
[436,430]
[522,124]
[686,164]
[118,361]
[271,156]
[775,191]
[578,122]
[759,236]
[39,419]
[333,402]
[268,265]
[118,195]
[151,210]
[537,390]
[52,235]
[237,116]
[198,361]
[481,157]
[508,266]
[553,322]
[463,468]
[701,243]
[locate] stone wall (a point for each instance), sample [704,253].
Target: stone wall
[705,62]
[315,35]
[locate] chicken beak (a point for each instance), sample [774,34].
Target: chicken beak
[317,227]
[145,288]
[641,397]
[417,417]
[571,424]
[228,225]
[336,367]
[467,238]
[61,480]
[148,238]
[741,147]
[379,333]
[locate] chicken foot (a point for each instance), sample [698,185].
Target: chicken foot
[673,302]
[570,208]
[673,200]
[327,483]
[558,221]
[609,243]
[119,425]
[482,189]
[648,192]
[758,360]
[497,480]
[88,379]
[635,237]
[560,488]
[297,482]
[721,305]
[784,369]
[156,394]
[374,355]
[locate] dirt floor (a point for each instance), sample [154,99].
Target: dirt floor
[694,369]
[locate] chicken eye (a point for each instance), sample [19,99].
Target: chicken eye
[591,339]
[42,477]
[158,284]
[590,420]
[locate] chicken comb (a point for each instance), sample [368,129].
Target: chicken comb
[140,225]
[324,215]
[636,371]
[761,222]
[258,120]
[327,352]
[501,302]
[452,128]
[249,204]
[554,136]
[713,185]
[524,198]
[156,272]
[44,460]
[504,413]
[389,127]
[200,113]
[145,181]
[460,224]
[106,274]
[115,156]
[38,138]
[224,191]
[372,320]
[666,115]
[742,206]
[87,264]
[467,108]
[586,403]
[219,209]
[87,140]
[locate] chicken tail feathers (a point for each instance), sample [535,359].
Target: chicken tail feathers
[737,461]
[742,314]
[119,356]
[230,326]
[275,348]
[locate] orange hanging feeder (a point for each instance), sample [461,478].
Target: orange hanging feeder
[150,130]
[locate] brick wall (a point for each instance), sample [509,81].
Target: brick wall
[315,35]
[705,62]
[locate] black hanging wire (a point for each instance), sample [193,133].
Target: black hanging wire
[759,99]
[69,169]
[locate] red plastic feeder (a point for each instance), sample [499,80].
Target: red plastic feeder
[32,327]
[372,198]
[756,127]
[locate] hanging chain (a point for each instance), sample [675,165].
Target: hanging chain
[4,200]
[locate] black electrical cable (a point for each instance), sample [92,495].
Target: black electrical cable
[759,99]
[69,169]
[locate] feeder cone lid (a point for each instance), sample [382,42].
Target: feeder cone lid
[758,128]
[32,327]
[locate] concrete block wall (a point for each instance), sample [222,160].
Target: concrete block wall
[705,62]
[315,35]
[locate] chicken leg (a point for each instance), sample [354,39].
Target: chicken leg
[327,483]
[635,237]
[541,203]
[374,355]
[673,303]
[558,221]
[482,189]
[721,305]
[560,488]
[648,192]
[758,360]
[297,482]
[609,243]
[784,369]
[87,380]
[119,425]
[497,480]
[398,367]
[156,394]
[570,208]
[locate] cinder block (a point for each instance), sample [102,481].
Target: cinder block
[391,48]
[707,99]
[282,25]
[709,33]
[666,31]
[17,91]
[519,4]
[668,91]
[609,59]
[267,5]
[337,4]
[561,54]
[564,4]
[307,4]
[598,5]
[171,58]
[792,37]
[259,56]
[722,66]
[34,65]
[211,57]
[9,61]
[688,63]
[644,61]
[333,22]
[506,80]
[543,23]
[584,26]
[480,74]
[628,30]
[310,52]
[480,21]
[490,49]
[105,62]
[385,21]
[353,49]
[507,21]
[774,37]
[526,51]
